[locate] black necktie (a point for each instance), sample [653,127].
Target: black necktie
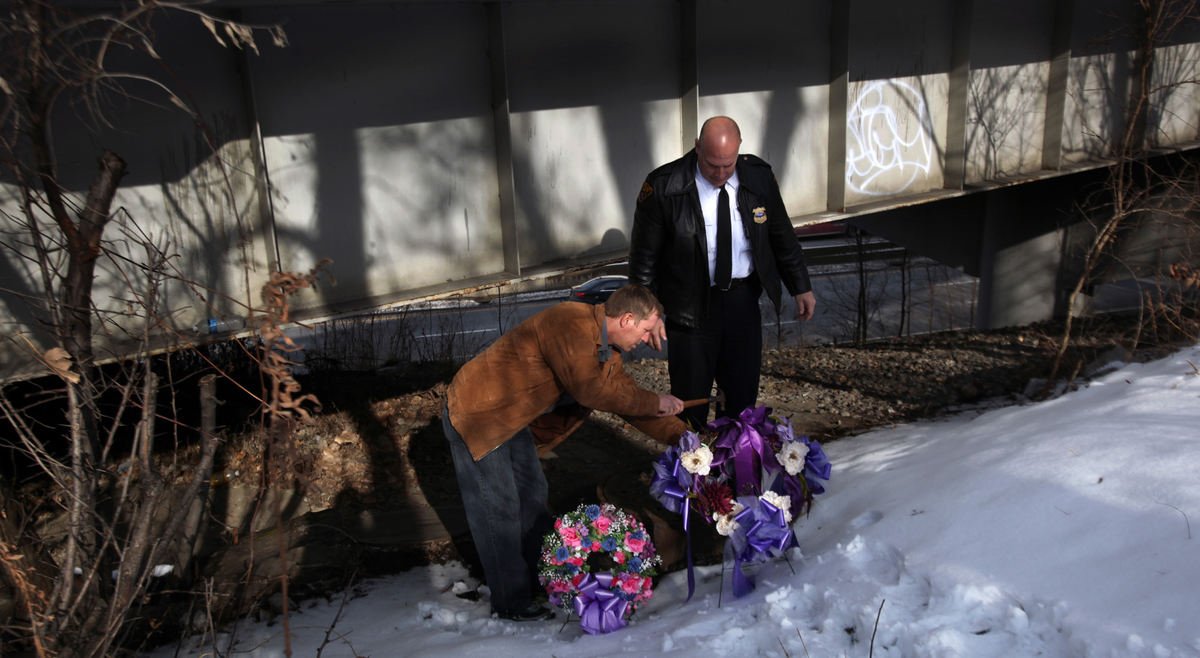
[724,242]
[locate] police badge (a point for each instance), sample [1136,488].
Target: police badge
[646,192]
[760,215]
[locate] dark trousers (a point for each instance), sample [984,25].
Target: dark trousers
[505,498]
[726,349]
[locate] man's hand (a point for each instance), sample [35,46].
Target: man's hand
[806,304]
[669,405]
[657,335]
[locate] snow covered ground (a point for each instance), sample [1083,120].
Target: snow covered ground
[1061,528]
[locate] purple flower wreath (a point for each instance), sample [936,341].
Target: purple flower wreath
[750,482]
[604,601]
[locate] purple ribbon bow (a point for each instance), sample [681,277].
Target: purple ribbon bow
[599,608]
[671,482]
[816,465]
[762,532]
[740,440]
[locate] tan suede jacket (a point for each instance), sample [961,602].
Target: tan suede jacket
[516,382]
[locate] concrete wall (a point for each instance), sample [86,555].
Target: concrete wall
[428,146]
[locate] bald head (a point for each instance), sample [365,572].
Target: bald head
[717,149]
[721,128]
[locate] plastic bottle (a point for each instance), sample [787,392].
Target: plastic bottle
[218,326]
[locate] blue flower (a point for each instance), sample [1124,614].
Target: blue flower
[635,564]
[609,544]
[571,568]
[562,554]
[593,512]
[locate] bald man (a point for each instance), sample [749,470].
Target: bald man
[710,235]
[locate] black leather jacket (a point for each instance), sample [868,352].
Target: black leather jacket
[668,251]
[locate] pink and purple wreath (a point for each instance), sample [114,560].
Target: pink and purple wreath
[592,538]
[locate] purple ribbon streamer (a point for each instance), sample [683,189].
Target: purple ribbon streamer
[670,486]
[687,540]
[599,608]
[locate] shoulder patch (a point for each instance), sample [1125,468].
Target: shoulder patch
[646,192]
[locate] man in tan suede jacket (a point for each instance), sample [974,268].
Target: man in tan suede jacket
[522,396]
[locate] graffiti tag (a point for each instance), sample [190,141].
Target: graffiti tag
[888,145]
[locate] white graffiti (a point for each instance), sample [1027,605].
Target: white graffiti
[887,148]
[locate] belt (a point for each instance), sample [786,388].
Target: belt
[733,283]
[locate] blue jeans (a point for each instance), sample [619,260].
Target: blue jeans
[505,498]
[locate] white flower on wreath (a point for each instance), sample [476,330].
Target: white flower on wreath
[697,461]
[726,524]
[792,455]
[782,502]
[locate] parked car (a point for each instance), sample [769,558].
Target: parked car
[597,290]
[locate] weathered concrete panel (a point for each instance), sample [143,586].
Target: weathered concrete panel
[775,84]
[1010,50]
[1175,108]
[594,90]
[1027,278]
[894,132]
[890,40]
[1006,116]
[379,146]
[899,59]
[1094,116]
[1010,32]
[798,153]
[578,201]
[1102,47]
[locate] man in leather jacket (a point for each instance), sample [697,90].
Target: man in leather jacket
[713,324]
[522,396]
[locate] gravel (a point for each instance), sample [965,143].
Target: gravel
[832,391]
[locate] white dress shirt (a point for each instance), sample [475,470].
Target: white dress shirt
[743,264]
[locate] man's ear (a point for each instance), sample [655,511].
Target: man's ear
[627,320]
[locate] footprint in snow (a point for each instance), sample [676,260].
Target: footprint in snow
[866,518]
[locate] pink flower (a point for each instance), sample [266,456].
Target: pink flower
[558,587]
[619,557]
[635,544]
[570,536]
[577,578]
[602,524]
[631,585]
[577,561]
